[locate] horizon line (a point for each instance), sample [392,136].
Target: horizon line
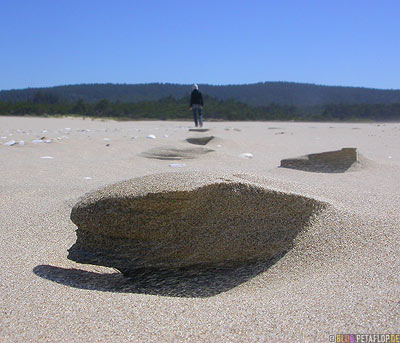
[190,84]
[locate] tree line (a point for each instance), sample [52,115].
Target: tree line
[48,104]
[256,94]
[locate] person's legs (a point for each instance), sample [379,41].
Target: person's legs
[201,117]
[194,109]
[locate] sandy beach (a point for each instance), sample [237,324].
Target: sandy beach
[340,277]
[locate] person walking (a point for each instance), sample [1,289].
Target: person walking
[196,105]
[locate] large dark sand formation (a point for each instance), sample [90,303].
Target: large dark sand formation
[177,220]
[325,162]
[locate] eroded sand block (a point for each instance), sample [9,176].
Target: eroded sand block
[199,130]
[177,220]
[172,153]
[200,140]
[326,162]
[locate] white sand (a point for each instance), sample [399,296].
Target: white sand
[342,276]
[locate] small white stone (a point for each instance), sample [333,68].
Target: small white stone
[47,141]
[37,141]
[106,139]
[151,137]
[177,165]
[87,178]
[46,157]
[246,155]
[10,143]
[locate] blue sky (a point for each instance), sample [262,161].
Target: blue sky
[54,42]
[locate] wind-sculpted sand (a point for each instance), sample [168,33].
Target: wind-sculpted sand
[182,220]
[175,153]
[332,266]
[325,162]
[200,140]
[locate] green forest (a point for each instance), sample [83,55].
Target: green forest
[256,94]
[50,104]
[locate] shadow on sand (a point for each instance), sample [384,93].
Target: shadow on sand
[192,283]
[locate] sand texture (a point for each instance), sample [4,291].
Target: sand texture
[330,265]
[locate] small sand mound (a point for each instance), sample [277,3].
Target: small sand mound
[199,130]
[325,162]
[200,140]
[171,153]
[177,220]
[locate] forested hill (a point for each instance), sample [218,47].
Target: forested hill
[258,94]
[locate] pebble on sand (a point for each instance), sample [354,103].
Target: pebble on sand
[151,137]
[177,165]
[10,143]
[46,157]
[246,155]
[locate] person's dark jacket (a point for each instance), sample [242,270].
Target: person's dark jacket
[196,98]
